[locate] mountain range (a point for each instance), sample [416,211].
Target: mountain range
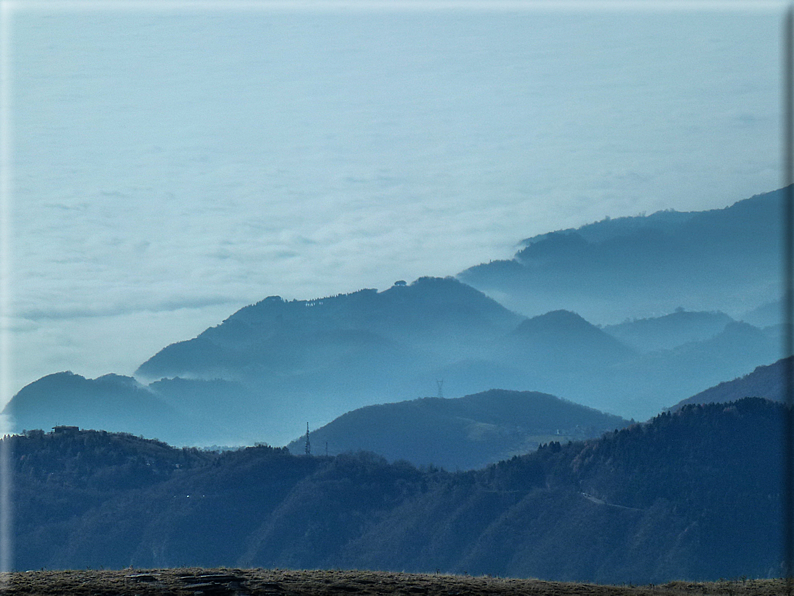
[669,331]
[472,431]
[691,495]
[646,266]
[243,385]
[269,368]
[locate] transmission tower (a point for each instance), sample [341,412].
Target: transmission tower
[308,444]
[440,388]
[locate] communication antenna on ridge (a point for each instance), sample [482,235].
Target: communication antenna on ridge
[440,388]
[308,444]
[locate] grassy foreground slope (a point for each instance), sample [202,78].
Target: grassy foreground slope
[262,582]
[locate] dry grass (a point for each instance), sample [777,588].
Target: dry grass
[279,582]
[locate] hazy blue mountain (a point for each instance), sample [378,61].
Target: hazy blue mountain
[668,222]
[317,359]
[669,331]
[656,377]
[179,411]
[111,402]
[269,368]
[692,495]
[463,433]
[765,381]
[562,354]
[735,348]
[563,338]
[723,259]
[768,314]
[276,335]
[236,384]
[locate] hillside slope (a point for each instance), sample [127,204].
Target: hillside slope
[765,381]
[443,315]
[691,495]
[463,433]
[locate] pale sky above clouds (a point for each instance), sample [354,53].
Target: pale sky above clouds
[172,166]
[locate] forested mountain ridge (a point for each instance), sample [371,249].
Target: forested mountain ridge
[724,259]
[460,433]
[690,495]
[428,311]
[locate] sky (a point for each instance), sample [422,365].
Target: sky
[168,164]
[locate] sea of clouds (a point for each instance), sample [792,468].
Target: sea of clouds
[172,166]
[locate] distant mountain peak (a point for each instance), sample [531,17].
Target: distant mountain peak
[555,320]
[670,330]
[367,335]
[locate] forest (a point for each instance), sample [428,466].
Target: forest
[693,494]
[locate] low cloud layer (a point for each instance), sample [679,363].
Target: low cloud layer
[171,168]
